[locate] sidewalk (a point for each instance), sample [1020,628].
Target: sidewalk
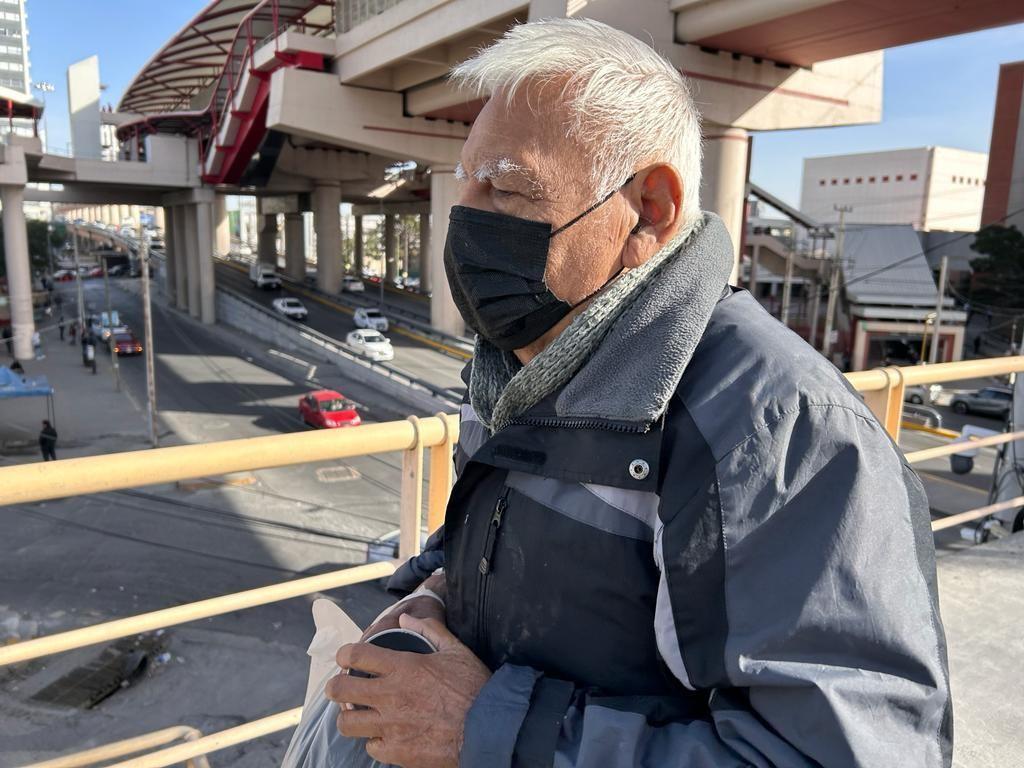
[92,417]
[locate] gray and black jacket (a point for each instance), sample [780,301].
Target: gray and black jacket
[748,579]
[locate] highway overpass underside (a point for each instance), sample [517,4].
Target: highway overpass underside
[320,108]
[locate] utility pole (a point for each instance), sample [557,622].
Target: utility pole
[78,283]
[787,290]
[147,323]
[833,287]
[933,354]
[111,342]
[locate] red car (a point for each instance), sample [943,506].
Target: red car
[326,409]
[126,344]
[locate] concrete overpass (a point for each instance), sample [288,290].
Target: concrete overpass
[308,103]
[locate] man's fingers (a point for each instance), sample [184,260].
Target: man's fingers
[376,749]
[432,629]
[366,658]
[346,689]
[360,724]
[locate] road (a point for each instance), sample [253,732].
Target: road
[414,357]
[86,560]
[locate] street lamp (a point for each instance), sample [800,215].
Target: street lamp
[44,88]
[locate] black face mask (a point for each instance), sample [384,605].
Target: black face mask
[495,265]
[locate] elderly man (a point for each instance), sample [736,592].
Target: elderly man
[677,538]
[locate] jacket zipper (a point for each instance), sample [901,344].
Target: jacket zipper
[554,421]
[485,565]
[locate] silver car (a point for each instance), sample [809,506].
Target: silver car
[990,401]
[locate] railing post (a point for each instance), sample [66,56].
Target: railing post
[411,505]
[440,483]
[887,404]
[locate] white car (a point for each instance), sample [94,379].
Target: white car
[291,308]
[370,344]
[352,284]
[370,318]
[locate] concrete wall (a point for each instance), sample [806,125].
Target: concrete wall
[957,189]
[84,107]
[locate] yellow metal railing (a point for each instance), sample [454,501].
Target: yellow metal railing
[883,392]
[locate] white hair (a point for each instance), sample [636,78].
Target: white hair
[626,103]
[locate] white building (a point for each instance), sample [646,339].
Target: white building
[928,187]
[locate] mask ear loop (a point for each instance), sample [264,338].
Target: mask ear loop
[592,208]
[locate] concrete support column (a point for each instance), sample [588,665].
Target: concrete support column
[424,265]
[123,212]
[357,248]
[222,225]
[327,220]
[266,239]
[192,249]
[204,235]
[107,216]
[294,246]
[178,222]
[170,257]
[19,270]
[390,256]
[160,217]
[444,192]
[723,181]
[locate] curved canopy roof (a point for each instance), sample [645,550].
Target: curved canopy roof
[183,74]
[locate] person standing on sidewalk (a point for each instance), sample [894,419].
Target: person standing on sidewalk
[60,326]
[48,441]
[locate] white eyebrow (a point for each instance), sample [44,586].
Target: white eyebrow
[498,167]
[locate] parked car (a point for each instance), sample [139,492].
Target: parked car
[263,276]
[370,318]
[94,272]
[371,344]
[921,395]
[291,308]
[118,270]
[63,275]
[327,409]
[352,284]
[125,343]
[990,401]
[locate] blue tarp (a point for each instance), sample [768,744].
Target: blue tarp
[15,385]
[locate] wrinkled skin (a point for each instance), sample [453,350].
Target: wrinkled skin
[416,704]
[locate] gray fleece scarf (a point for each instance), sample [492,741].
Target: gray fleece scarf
[623,356]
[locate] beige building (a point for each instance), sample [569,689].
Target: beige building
[929,188]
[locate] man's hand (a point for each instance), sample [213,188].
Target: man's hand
[417,703]
[421,607]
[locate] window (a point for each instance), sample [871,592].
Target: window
[885,179]
[846,181]
[834,182]
[860,179]
[913,177]
[821,183]
[899,177]
[871,179]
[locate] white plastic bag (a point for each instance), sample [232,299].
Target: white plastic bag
[316,742]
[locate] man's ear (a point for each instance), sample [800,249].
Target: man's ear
[660,205]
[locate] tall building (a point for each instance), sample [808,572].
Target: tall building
[1004,195]
[14,67]
[930,188]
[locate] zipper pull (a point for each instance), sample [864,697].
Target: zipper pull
[492,536]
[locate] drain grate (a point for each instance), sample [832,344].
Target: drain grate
[86,686]
[337,474]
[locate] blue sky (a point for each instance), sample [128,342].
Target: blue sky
[939,92]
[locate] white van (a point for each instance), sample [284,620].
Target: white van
[263,276]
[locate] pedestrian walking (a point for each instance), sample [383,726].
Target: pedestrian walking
[7,340]
[48,441]
[37,345]
[60,326]
[74,331]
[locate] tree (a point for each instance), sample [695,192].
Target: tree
[999,271]
[39,242]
